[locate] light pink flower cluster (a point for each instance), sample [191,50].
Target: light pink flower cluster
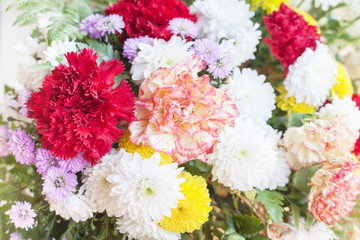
[179,113]
[334,190]
[22,215]
[317,142]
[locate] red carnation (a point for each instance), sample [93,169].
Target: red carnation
[356,99]
[149,17]
[77,110]
[290,35]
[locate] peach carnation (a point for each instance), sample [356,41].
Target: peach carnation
[334,190]
[317,142]
[180,113]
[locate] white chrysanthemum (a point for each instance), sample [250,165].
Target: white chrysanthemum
[29,50]
[161,54]
[343,109]
[55,53]
[145,190]
[144,231]
[255,99]
[312,76]
[326,4]
[318,231]
[243,47]
[221,19]
[77,206]
[97,188]
[238,163]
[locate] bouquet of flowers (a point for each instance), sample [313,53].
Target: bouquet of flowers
[170,119]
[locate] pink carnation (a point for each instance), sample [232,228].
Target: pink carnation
[334,191]
[317,142]
[179,113]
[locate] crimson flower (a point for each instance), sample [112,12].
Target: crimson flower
[290,35]
[76,110]
[356,99]
[149,17]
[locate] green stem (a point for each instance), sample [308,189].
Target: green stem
[124,237]
[201,236]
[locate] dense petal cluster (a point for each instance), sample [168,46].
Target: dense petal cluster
[183,27]
[22,146]
[343,86]
[180,113]
[269,5]
[312,76]
[76,110]
[22,215]
[255,99]
[289,104]
[221,19]
[334,191]
[145,190]
[356,99]
[193,211]
[290,35]
[238,163]
[149,18]
[131,46]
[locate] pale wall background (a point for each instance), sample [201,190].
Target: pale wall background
[8,37]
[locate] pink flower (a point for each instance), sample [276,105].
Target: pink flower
[179,113]
[334,191]
[317,142]
[22,215]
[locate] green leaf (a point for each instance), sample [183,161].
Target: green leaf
[16,4]
[302,177]
[2,173]
[298,119]
[273,202]
[295,212]
[247,225]
[105,51]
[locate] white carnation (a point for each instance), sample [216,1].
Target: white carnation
[255,99]
[55,53]
[76,206]
[144,190]
[318,231]
[312,76]
[161,54]
[144,231]
[243,46]
[238,163]
[221,19]
[97,188]
[343,109]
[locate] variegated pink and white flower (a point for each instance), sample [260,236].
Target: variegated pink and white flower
[334,190]
[180,113]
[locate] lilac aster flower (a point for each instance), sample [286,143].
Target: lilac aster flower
[15,236]
[58,183]
[89,24]
[131,46]
[75,164]
[44,160]
[4,141]
[221,68]
[23,97]
[22,215]
[22,146]
[183,26]
[207,50]
[110,25]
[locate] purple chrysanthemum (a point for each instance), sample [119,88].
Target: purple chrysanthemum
[22,215]
[24,95]
[4,141]
[207,50]
[58,183]
[184,27]
[75,164]
[22,146]
[110,25]
[131,46]
[220,68]
[44,160]
[89,24]
[15,236]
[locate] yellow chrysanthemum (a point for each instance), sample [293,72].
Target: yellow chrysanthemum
[145,152]
[191,212]
[269,5]
[343,86]
[309,19]
[289,104]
